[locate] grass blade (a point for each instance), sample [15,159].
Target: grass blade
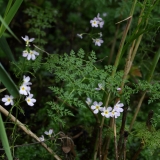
[8,82]
[9,16]
[4,140]
[6,49]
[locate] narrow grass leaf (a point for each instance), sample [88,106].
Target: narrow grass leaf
[6,49]
[8,82]
[4,140]
[9,16]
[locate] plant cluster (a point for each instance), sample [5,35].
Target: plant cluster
[100,102]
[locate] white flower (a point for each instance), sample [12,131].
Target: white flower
[101,24]
[80,36]
[104,14]
[24,89]
[96,107]
[114,113]
[30,101]
[99,21]
[94,23]
[27,40]
[26,80]
[8,100]
[98,41]
[30,55]
[106,112]
[25,53]
[117,107]
[49,133]
[100,86]
[100,34]
[118,89]
[89,101]
[98,18]
[41,138]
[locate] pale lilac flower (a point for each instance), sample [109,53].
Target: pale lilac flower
[118,107]
[100,87]
[118,89]
[30,55]
[26,80]
[101,24]
[89,101]
[106,112]
[49,133]
[27,40]
[98,18]
[80,36]
[96,107]
[100,34]
[30,101]
[104,14]
[114,113]
[98,41]
[25,53]
[8,100]
[41,138]
[94,23]
[24,89]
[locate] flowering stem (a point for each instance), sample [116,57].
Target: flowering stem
[119,54]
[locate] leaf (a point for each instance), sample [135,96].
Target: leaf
[7,27]
[4,139]
[1,90]
[8,82]
[10,13]
[6,49]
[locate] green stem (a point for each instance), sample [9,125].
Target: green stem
[119,55]
[155,61]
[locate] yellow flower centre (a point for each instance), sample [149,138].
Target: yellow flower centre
[106,112]
[97,107]
[9,99]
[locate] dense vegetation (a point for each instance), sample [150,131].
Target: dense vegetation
[79,80]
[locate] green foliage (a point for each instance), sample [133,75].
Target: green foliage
[149,139]
[41,20]
[64,81]
[33,152]
[57,112]
[152,89]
